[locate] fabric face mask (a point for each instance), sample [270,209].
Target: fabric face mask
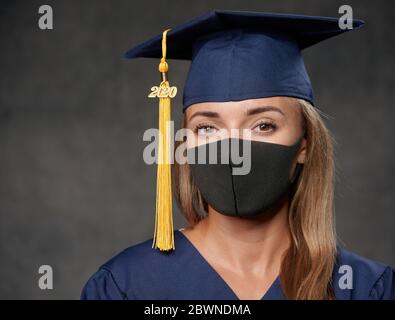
[249,194]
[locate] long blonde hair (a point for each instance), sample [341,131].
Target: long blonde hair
[307,265]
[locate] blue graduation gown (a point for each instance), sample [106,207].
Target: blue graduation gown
[140,272]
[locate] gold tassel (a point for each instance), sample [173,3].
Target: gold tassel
[164,230]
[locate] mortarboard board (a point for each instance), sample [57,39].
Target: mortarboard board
[235,55]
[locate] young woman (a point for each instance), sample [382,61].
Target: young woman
[268,234]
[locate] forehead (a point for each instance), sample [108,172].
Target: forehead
[287,105]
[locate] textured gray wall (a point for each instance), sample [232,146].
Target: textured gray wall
[74,189]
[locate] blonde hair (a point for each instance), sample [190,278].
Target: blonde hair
[307,265]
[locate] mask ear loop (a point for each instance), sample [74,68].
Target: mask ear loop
[299,166]
[201,213]
[298,170]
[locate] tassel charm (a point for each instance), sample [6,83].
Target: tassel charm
[164,230]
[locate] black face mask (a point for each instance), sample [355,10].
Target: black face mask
[244,195]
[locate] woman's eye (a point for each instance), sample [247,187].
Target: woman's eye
[205,130]
[265,127]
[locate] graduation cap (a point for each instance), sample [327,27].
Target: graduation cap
[235,55]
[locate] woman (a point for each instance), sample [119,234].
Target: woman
[267,234]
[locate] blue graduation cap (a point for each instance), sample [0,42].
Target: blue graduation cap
[239,55]
[234,55]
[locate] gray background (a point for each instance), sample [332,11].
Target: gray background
[74,189]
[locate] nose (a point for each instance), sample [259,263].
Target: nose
[240,133]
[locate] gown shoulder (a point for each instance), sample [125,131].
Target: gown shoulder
[132,272]
[356,277]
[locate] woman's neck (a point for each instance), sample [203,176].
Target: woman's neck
[248,244]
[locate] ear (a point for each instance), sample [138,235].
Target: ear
[302,151]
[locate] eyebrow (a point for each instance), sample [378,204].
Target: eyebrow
[257,110]
[209,114]
[250,112]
